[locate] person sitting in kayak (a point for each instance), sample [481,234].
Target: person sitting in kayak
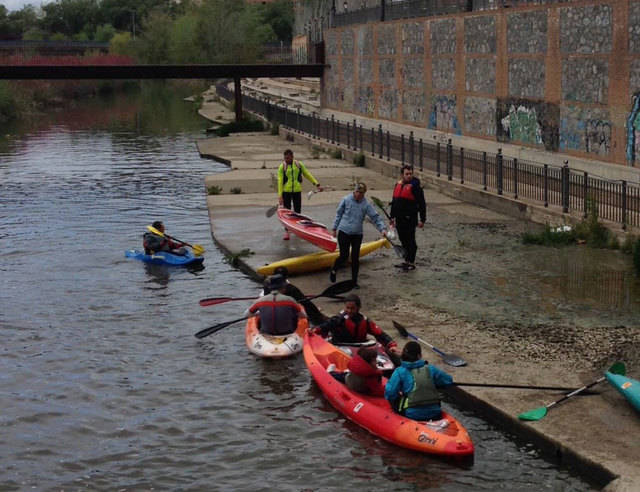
[278,312]
[313,313]
[351,326]
[153,243]
[362,375]
[412,389]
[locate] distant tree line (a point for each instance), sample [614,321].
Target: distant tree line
[158,31]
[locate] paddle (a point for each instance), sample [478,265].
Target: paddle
[518,386]
[396,247]
[272,210]
[212,301]
[332,290]
[197,248]
[452,360]
[540,412]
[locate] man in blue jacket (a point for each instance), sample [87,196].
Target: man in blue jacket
[413,387]
[350,215]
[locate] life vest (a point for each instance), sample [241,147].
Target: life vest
[424,390]
[292,172]
[278,314]
[153,243]
[404,190]
[354,331]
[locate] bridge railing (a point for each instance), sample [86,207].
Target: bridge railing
[560,187]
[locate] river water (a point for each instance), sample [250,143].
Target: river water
[102,383]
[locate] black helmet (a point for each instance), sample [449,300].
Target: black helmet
[277,282]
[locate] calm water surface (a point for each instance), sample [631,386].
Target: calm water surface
[103,385]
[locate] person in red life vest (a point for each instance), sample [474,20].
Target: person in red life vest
[408,211]
[290,174]
[362,375]
[351,326]
[153,243]
[279,313]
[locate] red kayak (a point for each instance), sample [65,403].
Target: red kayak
[308,229]
[445,437]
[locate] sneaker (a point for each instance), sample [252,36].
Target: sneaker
[401,265]
[332,276]
[286,236]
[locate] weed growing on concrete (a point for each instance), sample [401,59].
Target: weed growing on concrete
[234,258]
[275,128]
[289,137]
[315,152]
[358,159]
[214,190]
[336,154]
[236,190]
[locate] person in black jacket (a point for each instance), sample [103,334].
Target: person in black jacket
[408,211]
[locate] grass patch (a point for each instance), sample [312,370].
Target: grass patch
[358,159]
[214,190]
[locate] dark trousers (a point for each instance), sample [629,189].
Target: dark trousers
[346,241]
[407,235]
[295,197]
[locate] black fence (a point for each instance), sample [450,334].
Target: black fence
[571,190]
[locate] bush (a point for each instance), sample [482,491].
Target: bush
[8,103]
[214,190]
[358,159]
[275,128]
[635,251]
[336,154]
[236,190]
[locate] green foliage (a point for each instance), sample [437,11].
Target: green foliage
[122,44]
[280,16]
[239,126]
[336,154]
[104,33]
[214,190]
[8,102]
[234,258]
[275,128]
[635,251]
[236,190]
[315,152]
[550,237]
[153,44]
[359,159]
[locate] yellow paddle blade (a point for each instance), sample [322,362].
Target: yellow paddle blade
[155,231]
[198,250]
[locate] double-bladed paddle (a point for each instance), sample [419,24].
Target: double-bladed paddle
[197,248]
[452,360]
[331,291]
[540,412]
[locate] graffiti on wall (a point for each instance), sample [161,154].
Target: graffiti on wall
[585,130]
[633,131]
[443,114]
[528,122]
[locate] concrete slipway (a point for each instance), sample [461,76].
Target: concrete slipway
[598,436]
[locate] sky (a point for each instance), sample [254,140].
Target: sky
[18,4]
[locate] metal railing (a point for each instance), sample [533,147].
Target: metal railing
[562,187]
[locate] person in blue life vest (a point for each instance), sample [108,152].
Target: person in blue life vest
[153,243]
[290,174]
[351,326]
[413,387]
[279,313]
[408,211]
[347,227]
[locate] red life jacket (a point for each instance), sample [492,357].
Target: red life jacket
[357,331]
[404,191]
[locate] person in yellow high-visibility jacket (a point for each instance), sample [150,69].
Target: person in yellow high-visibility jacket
[290,174]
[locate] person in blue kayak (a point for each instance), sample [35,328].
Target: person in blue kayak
[278,312]
[413,387]
[347,227]
[290,174]
[351,326]
[153,243]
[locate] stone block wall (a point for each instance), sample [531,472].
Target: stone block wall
[560,77]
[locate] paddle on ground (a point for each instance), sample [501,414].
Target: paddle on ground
[197,248]
[270,211]
[540,412]
[451,359]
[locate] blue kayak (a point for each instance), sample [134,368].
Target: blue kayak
[165,258]
[629,388]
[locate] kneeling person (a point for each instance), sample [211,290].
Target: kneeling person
[279,313]
[413,387]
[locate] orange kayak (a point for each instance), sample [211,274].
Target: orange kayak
[446,437]
[306,228]
[274,346]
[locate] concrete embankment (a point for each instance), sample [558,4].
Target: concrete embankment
[447,300]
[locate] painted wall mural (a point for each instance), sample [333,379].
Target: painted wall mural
[365,102]
[413,106]
[443,115]
[528,122]
[388,104]
[633,131]
[527,32]
[585,130]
